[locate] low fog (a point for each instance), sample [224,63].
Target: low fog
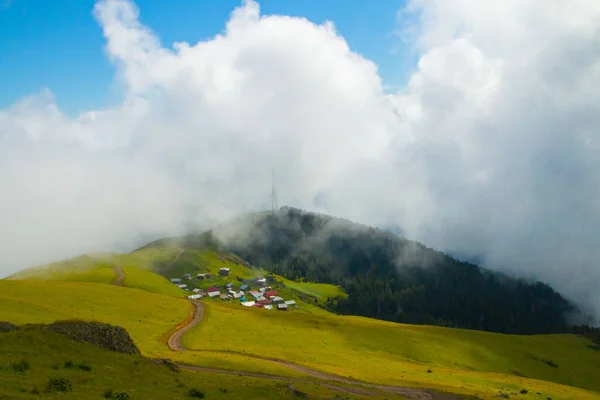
[492,149]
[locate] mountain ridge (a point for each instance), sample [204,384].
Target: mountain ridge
[386,276]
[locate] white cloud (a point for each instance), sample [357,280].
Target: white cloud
[492,148]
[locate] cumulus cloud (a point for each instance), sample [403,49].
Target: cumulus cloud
[491,149]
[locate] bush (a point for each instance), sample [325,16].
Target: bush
[84,367]
[196,393]
[222,390]
[68,364]
[21,366]
[121,396]
[523,391]
[58,384]
[108,393]
[550,363]
[35,390]
[56,366]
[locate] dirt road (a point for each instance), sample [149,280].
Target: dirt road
[120,276]
[196,316]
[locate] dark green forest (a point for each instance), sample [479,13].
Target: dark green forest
[386,276]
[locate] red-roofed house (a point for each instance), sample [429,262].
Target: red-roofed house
[271,294]
[212,289]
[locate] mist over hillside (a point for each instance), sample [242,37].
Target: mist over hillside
[386,276]
[489,147]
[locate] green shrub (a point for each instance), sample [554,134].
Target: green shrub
[35,390]
[21,366]
[84,367]
[58,384]
[108,393]
[68,364]
[195,393]
[121,396]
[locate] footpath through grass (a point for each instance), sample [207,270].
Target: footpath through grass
[146,316]
[377,351]
[32,357]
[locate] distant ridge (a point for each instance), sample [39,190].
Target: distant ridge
[386,276]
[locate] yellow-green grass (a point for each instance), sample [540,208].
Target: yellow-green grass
[322,291]
[146,316]
[46,353]
[89,268]
[150,282]
[377,351]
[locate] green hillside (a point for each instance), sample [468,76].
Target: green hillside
[237,338]
[385,276]
[390,353]
[32,357]
[103,268]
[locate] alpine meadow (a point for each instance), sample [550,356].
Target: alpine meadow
[255,199]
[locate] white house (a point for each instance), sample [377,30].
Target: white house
[248,303]
[182,286]
[214,294]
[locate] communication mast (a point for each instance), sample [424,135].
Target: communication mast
[274,195]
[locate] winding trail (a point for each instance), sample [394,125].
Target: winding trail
[196,315]
[120,276]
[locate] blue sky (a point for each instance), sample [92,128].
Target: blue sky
[59,45]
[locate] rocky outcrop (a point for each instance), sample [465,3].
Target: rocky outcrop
[105,336]
[7,327]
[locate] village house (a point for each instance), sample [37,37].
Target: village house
[261,281]
[212,289]
[229,285]
[214,294]
[196,290]
[182,286]
[195,297]
[187,276]
[237,295]
[175,281]
[271,294]
[291,303]
[244,287]
[268,307]
[282,307]
[277,300]
[225,296]
[248,303]
[201,276]
[224,271]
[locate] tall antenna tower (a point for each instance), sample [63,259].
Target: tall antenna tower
[274,194]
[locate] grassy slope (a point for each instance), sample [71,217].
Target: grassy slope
[366,349]
[101,269]
[146,316]
[393,353]
[138,377]
[194,262]
[96,268]
[150,282]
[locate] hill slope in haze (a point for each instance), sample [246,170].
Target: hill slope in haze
[386,276]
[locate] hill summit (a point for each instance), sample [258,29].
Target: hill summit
[385,276]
